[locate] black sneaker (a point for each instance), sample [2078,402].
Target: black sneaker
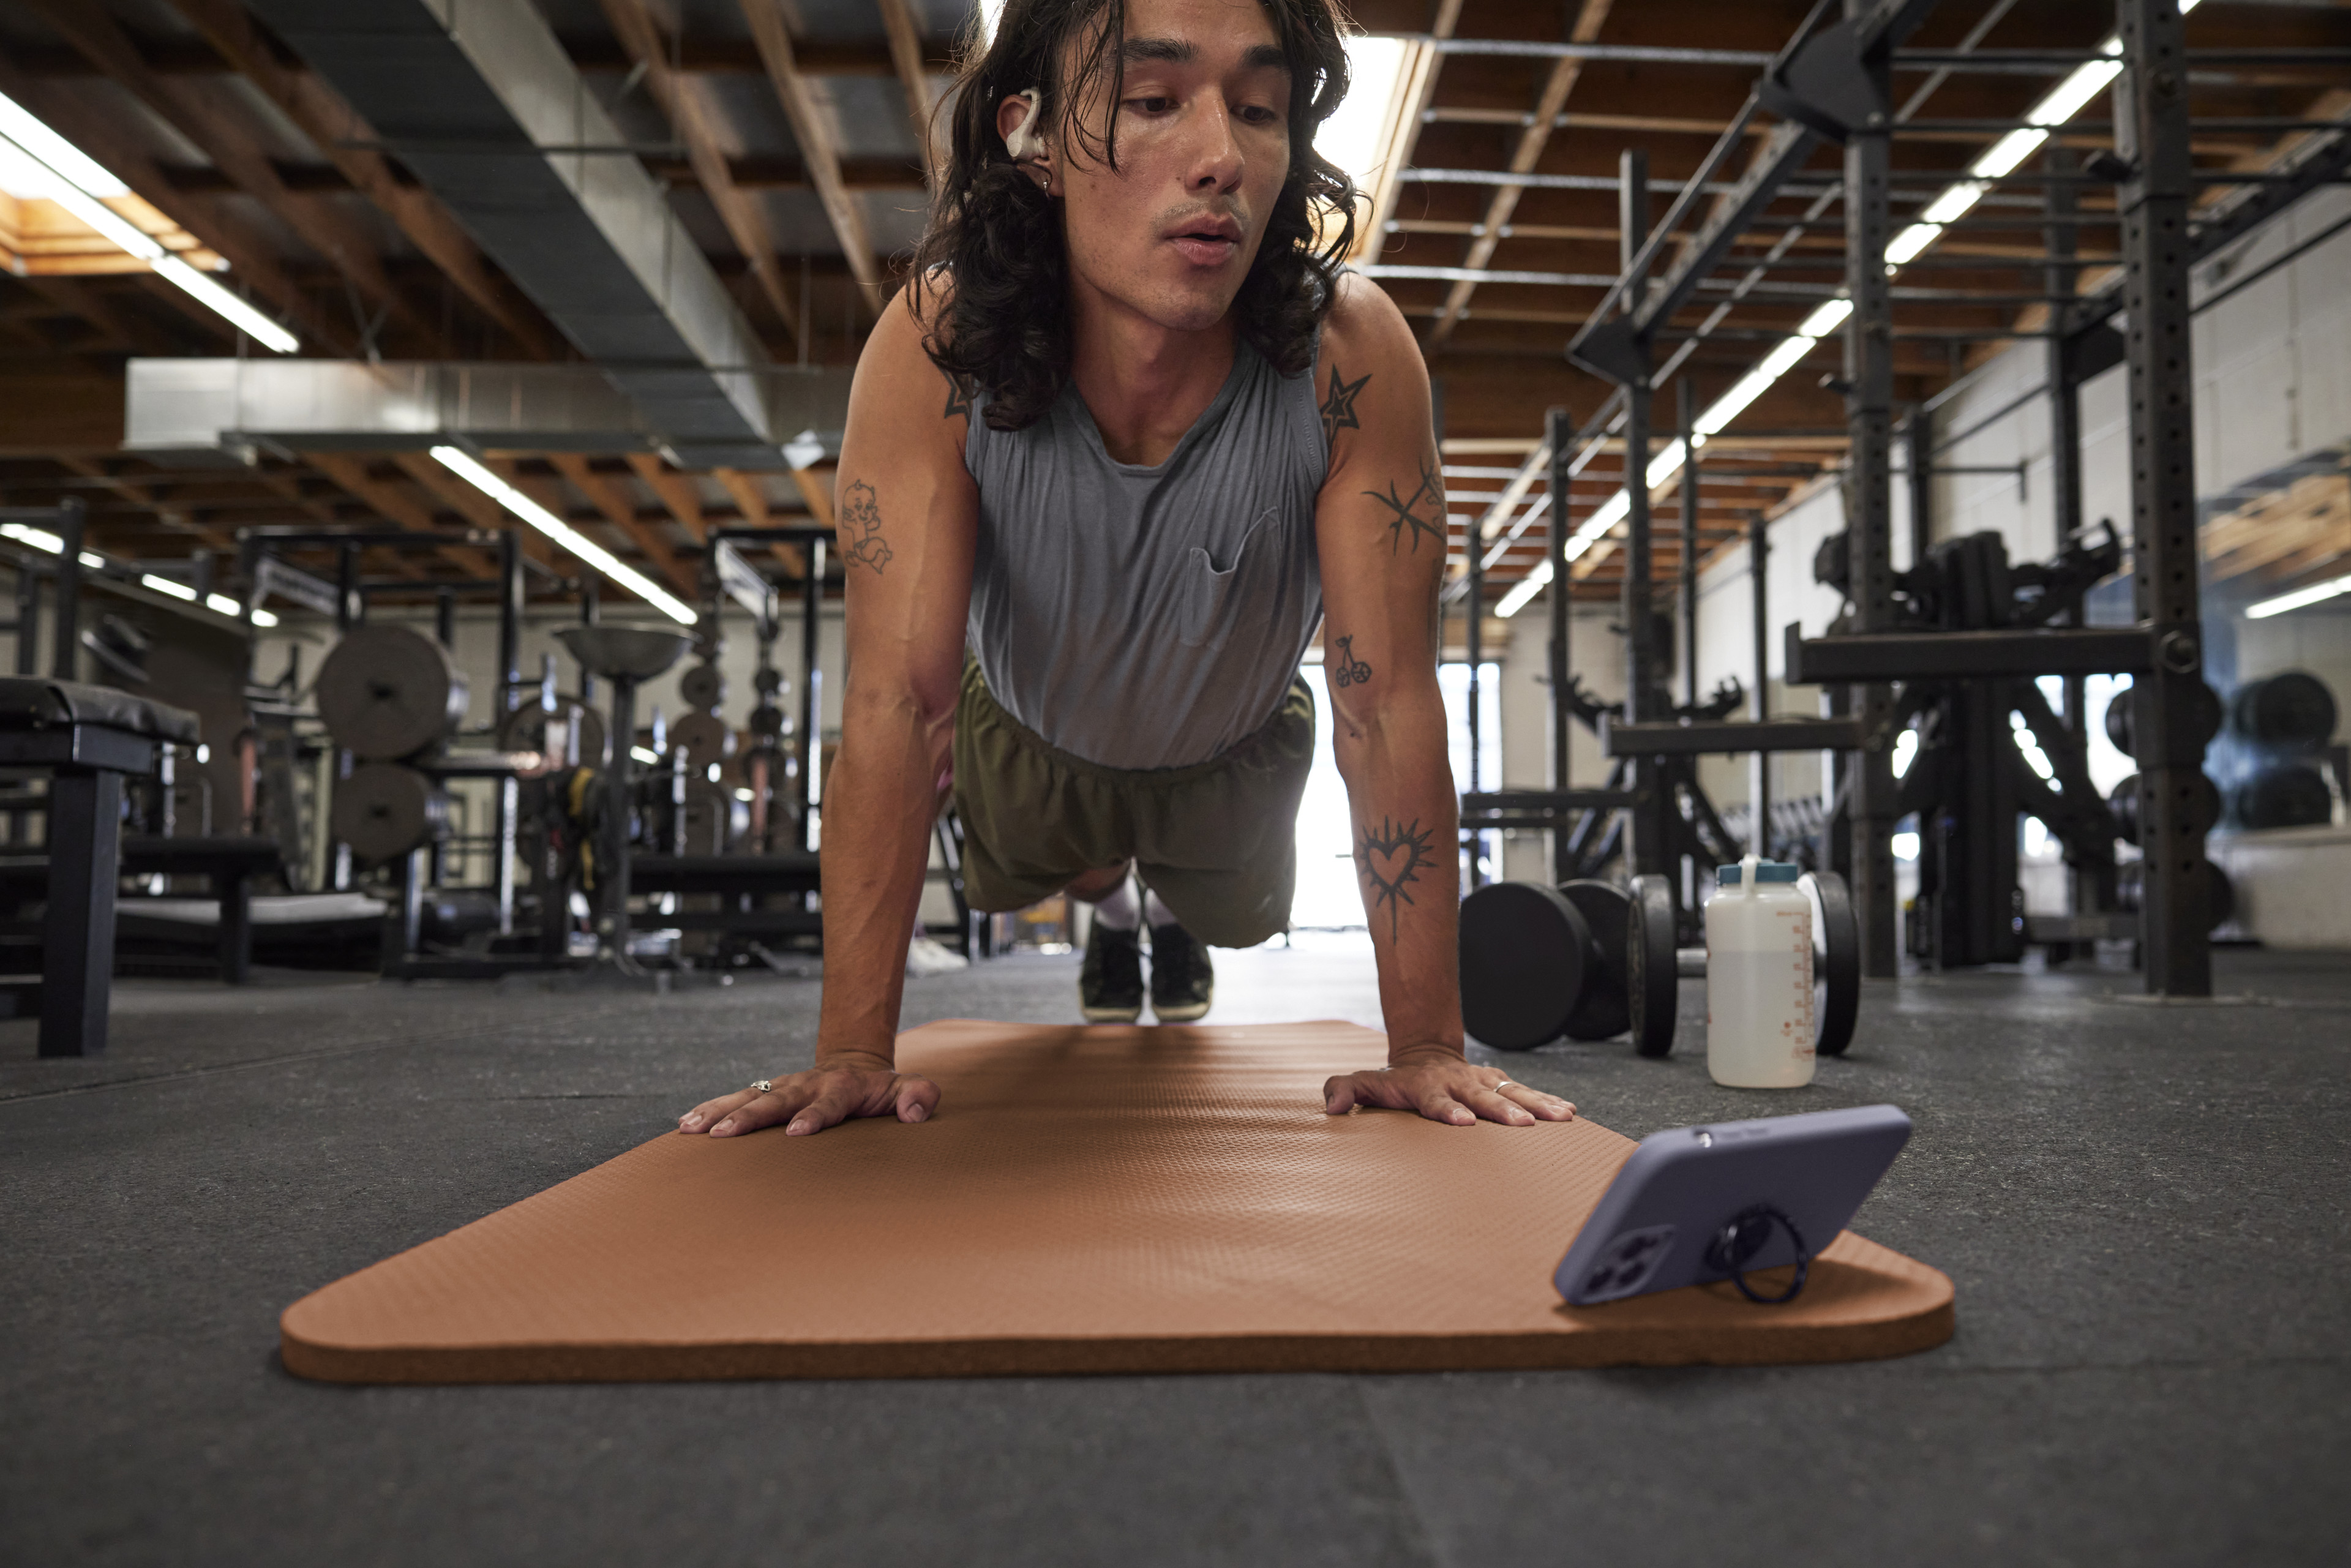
[1109,985]
[1183,981]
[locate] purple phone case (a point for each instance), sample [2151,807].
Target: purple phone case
[1653,1226]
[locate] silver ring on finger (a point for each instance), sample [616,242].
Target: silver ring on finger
[764,1086]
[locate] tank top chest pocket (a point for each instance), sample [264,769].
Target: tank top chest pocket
[1212,602]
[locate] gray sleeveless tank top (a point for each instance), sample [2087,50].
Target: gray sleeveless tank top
[1150,616]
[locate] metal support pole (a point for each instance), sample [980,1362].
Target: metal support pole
[1648,842]
[1758,700]
[64,611]
[350,605]
[612,869]
[1686,413]
[1918,439]
[2151,130]
[1869,518]
[2091,886]
[445,618]
[811,678]
[1475,639]
[1557,525]
[510,606]
[590,612]
[28,620]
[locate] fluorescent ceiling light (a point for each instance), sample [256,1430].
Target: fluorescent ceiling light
[33,154]
[221,302]
[180,590]
[2300,596]
[2003,155]
[1825,320]
[1525,588]
[1953,204]
[1907,244]
[2069,97]
[59,156]
[571,540]
[222,604]
[39,539]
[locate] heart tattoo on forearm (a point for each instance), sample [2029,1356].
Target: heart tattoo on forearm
[1390,860]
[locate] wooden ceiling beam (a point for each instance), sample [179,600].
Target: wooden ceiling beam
[1564,74]
[690,120]
[818,148]
[605,495]
[752,502]
[177,518]
[905,30]
[322,116]
[674,489]
[204,119]
[394,504]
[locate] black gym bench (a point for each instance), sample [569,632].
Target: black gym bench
[740,881]
[88,738]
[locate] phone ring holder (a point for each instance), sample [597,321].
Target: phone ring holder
[1742,1237]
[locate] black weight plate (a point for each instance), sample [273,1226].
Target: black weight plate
[704,686]
[1524,950]
[1836,962]
[704,738]
[1652,979]
[383,811]
[1600,1011]
[388,692]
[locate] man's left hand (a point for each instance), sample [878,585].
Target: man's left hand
[1444,1087]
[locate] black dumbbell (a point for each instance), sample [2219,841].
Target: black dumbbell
[1584,961]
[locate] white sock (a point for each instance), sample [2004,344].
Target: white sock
[1119,910]
[1156,912]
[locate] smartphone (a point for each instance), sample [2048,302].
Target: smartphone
[1662,1223]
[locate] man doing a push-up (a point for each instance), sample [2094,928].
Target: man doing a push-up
[1129,436]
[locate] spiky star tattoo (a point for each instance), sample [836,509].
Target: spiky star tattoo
[1405,512]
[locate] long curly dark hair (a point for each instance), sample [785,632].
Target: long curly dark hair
[997,239]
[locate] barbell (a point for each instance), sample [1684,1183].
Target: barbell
[1587,961]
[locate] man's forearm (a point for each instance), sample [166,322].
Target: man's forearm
[1406,836]
[880,803]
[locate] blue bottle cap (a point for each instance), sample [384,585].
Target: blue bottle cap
[1765,871]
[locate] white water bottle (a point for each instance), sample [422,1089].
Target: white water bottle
[1759,978]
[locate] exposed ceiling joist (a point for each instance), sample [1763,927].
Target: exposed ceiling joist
[604,493]
[819,150]
[331,126]
[202,117]
[1564,74]
[690,118]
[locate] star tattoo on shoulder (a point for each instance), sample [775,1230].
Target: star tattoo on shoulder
[959,398]
[1391,859]
[859,528]
[1406,512]
[1338,406]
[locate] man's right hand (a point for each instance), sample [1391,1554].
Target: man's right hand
[812,1101]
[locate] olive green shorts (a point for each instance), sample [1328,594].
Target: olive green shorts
[1218,841]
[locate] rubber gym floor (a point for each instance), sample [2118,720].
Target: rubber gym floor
[2144,1210]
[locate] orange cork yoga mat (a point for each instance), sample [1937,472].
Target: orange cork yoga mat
[1087,1200]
